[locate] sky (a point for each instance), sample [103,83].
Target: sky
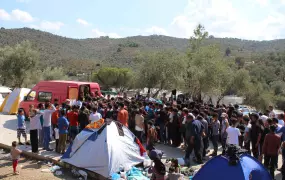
[245,19]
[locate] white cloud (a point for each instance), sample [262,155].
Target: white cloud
[83,22]
[22,16]
[223,19]
[262,2]
[16,15]
[23,1]
[98,33]
[4,15]
[157,30]
[48,25]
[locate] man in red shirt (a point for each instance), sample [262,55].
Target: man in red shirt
[73,122]
[270,149]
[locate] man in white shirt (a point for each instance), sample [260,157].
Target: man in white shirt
[94,116]
[233,133]
[47,125]
[271,114]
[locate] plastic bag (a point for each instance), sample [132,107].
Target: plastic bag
[58,173]
[181,161]
[83,174]
[54,168]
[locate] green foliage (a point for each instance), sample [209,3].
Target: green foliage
[16,63]
[161,70]
[108,77]
[207,72]
[56,73]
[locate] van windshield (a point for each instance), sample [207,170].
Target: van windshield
[31,96]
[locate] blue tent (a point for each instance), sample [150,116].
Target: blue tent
[248,168]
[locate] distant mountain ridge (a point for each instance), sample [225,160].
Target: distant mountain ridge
[56,49]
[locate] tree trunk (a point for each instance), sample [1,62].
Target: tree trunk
[200,96]
[156,93]
[219,99]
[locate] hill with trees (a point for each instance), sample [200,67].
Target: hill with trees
[56,50]
[201,65]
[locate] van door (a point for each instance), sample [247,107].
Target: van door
[72,94]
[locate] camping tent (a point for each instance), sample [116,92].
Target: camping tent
[4,91]
[12,101]
[105,150]
[248,168]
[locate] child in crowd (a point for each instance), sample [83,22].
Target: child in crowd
[21,130]
[56,136]
[175,165]
[15,154]
[151,138]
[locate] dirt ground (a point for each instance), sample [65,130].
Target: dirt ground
[30,170]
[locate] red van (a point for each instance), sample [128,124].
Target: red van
[50,90]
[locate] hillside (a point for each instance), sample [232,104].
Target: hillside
[56,50]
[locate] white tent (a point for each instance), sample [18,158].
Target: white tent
[12,101]
[4,90]
[105,150]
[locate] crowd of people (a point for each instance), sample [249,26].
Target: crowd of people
[191,126]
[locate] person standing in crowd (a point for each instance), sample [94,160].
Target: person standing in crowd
[109,112]
[41,131]
[270,150]
[176,137]
[47,125]
[73,122]
[255,135]
[152,137]
[185,113]
[241,127]
[63,125]
[281,119]
[94,116]
[262,128]
[247,133]
[54,117]
[139,129]
[233,132]
[188,136]
[83,117]
[215,133]
[35,126]
[271,112]
[206,137]
[197,134]
[224,126]
[56,137]
[123,115]
[21,130]
[282,131]
[161,121]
